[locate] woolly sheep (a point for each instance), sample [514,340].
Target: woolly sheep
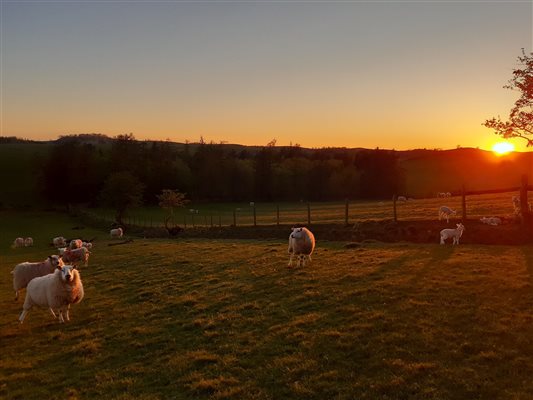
[75,255]
[28,242]
[301,244]
[116,233]
[452,233]
[491,220]
[24,272]
[401,198]
[59,241]
[87,245]
[56,291]
[18,242]
[446,212]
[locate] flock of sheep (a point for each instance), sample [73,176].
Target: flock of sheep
[54,283]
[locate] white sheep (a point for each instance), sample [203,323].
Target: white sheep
[59,241]
[401,198]
[75,255]
[491,220]
[28,242]
[87,245]
[446,212]
[24,272]
[18,242]
[56,291]
[116,233]
[301,244]
[452,233]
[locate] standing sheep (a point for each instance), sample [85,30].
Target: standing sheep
[75,244]
[59,241]
[24,272]
[75,255]
[18,242]
[116,233]
[446,212]
[452,233]
[56,291]
[28,242]
[301,244]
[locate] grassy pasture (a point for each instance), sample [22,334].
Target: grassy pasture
[205,319]
[327,212]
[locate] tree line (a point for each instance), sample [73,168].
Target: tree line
[76,171]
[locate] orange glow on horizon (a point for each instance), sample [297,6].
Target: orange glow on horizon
[502,148]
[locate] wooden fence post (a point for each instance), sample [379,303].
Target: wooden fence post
[524,207]
[463,203]
[255,217]
[308,214]
[394,213]
[346,213]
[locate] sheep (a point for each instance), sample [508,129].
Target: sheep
[446,212]
[56,291]
[87,245]
[301,244]
[28,242]
[75,244]
[18,242]
[24,272]
[491,220]
[59,241]
[401,198]
[116,233]
[452,233]
[75,255]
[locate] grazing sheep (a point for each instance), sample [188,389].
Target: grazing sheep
[301,244]
[56,291]
[401,198]
[491,220]
[59,241]
[87,245]
[24,272]
[452,233]
[116,233]
[446,212]
[28,242]
[18,242]
[75,255]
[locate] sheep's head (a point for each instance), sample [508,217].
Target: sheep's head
[55,261]
[67,272]
[461,227]
[297,233]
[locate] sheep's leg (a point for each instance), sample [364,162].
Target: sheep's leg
[23,315]
[441,239]
[60,313]
[67,317]
[290,260]
[52,312]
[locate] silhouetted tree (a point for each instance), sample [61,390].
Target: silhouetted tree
[121,192]
[520,122]
[170,199]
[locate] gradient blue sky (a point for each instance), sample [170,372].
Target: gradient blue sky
[388,74]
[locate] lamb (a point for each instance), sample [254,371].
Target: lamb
[75,255]
[59,241]
[491,220]
[57,291]
[452,233]
[446,212]
[116,233]
[301,244]
[24,272]
[28,242]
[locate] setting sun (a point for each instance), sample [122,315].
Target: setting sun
[503,148]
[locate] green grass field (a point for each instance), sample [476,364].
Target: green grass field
[206,319]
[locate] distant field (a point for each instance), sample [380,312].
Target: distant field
[329,212]
[206,319]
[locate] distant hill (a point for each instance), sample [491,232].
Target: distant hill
[426,172]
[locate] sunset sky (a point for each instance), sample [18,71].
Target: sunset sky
[388,74]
